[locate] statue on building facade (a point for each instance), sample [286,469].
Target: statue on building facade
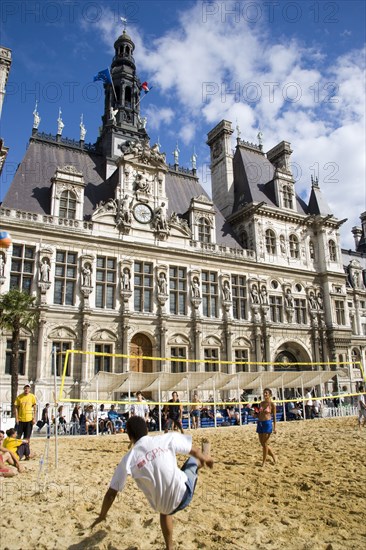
[289,300]
[2,264]
[162,283]
[60,124]
[86,275]
[312,301]
[176,155]
[264,296]
[194,160]
[126,279]
[45,269]
[196,293]
[36,117]
[254,294]
[160,218]
[226,291]
[141,184]
[82,129]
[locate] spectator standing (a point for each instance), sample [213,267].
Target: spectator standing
[25,412]
[174,413]
[196,411]
[45,418]
[308,404]
[140,408]
[361,406]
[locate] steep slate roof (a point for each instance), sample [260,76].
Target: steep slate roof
[253,180]
[31,187]
[317,202]
[181,189]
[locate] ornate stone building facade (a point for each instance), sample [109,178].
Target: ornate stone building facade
[129,255]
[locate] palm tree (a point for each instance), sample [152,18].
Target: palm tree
[17,311]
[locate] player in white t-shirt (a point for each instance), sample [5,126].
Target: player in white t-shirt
[152,464]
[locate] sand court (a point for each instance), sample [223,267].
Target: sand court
[313,499]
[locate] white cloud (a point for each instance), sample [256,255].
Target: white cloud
[198,62]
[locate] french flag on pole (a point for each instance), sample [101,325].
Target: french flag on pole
[145,87]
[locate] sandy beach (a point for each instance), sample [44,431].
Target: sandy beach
[313,499]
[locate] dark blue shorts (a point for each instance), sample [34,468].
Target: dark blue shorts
[264,427]
[190,469]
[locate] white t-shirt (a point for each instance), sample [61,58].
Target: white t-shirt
[139,409]
[153,465]
[309,401]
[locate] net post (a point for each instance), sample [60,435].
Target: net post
[54,352]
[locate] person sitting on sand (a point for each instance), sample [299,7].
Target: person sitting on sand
[7,456]
[152,464]
[20,447]
[267,410]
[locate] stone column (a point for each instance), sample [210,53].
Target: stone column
[125,347]
[40,354]
[84,347]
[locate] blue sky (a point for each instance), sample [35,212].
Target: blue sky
[294,70]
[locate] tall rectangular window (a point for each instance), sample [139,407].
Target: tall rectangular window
[241,355]
[22,267]
[105,290]
[209,294]
[103,362]
[300,311]
[239,293]
[143,286]
[61,349]
[178,366]
[276,309]
[65,278]
[178,290]
[340,315]
[21,357]
[211,354]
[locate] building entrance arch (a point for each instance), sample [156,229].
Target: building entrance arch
[140,346]
[289,354]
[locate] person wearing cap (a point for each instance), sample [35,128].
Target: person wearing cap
[25,412]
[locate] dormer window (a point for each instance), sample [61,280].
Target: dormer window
[68,193]
[294,246]
[287,197]
[204,230]
[332,251]
[67,205]
[270,241]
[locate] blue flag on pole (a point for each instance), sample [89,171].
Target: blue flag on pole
[104,76]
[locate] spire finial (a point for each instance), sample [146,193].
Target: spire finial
[60,124]
[124,22]
[260,138]
[36,117]
[158,143]
[82,128]
[176,155]
[194,159]
[238,132]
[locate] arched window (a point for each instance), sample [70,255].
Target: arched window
[204,231]
[294,246]
[270,241]
[332,251]
[287,197]
[128,96]
[244,239]
[356,358]
[67,205]
[312,250]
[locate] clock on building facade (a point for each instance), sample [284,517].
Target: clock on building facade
[142,213]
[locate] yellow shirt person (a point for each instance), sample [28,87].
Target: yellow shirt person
[25,412]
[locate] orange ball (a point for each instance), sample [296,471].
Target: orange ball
[5,239]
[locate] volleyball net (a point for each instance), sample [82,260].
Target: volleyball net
[216,382]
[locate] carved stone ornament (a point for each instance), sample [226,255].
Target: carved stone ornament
[2,267]
[142,153]
[124,214]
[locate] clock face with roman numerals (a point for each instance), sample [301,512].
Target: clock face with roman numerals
[142,213]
